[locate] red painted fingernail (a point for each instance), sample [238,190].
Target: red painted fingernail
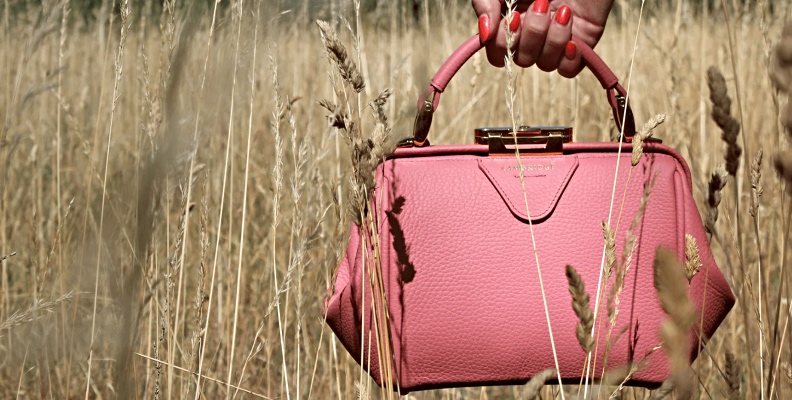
[484,28]
[515,22]
[563,15]
[541,6]
[571,50]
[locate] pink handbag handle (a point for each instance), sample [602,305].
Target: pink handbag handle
[617,96]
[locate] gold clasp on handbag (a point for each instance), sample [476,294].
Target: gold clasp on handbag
[543,140]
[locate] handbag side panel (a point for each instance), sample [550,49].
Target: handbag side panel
[345,305]
[709,290]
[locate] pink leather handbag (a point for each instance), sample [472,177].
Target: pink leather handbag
[464,305]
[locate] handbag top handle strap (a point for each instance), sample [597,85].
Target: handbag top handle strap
[617,96]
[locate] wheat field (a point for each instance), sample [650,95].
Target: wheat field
[175,200]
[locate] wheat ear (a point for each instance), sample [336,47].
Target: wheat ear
[733,376]
[580,303]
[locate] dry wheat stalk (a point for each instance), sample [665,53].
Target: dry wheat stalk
[125,11]
[277,174]
[756,193]
[511,97]
[781,72]
[622,268]
[205,330]
[580,303]
[756,184]
[297,252]
[7,256]
[361,392]
[733,376]
[196,339]
[532,388]
[338,53]
[668,281]
[38,310]
[238,17]
[781,75]
[183,236]
[610,249]
[646,132]
[692,257]
[382,130]
[634,367]
[714,188]
[160,362]
[673,296]
[58,119]
[730,129]
[367,153]
[255,347]
[721,113]
[600,292]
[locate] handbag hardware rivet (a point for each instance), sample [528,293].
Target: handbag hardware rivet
[501,141]
[423,121]
[406,142]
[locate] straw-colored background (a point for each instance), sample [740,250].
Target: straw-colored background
[106,271]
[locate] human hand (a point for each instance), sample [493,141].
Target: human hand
[543,30]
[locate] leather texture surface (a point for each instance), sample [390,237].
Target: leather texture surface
[461,281]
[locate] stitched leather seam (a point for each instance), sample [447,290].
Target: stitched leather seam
[502,191]
[464,157]
[656,149]
[553,201]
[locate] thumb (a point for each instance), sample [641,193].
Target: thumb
[489,17]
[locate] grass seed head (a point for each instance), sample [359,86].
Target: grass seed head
[580,303]
[732,376]
[721,113]
[692,257]
[338,53]
[610,248]
[714,188]
[756,182]
[781,74]
[646,132]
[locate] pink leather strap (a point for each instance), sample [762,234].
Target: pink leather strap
[428,103]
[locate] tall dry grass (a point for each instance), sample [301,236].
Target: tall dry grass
[174,199]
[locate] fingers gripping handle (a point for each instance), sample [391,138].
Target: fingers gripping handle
[428,103]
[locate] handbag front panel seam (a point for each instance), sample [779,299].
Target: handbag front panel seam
[553,201]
